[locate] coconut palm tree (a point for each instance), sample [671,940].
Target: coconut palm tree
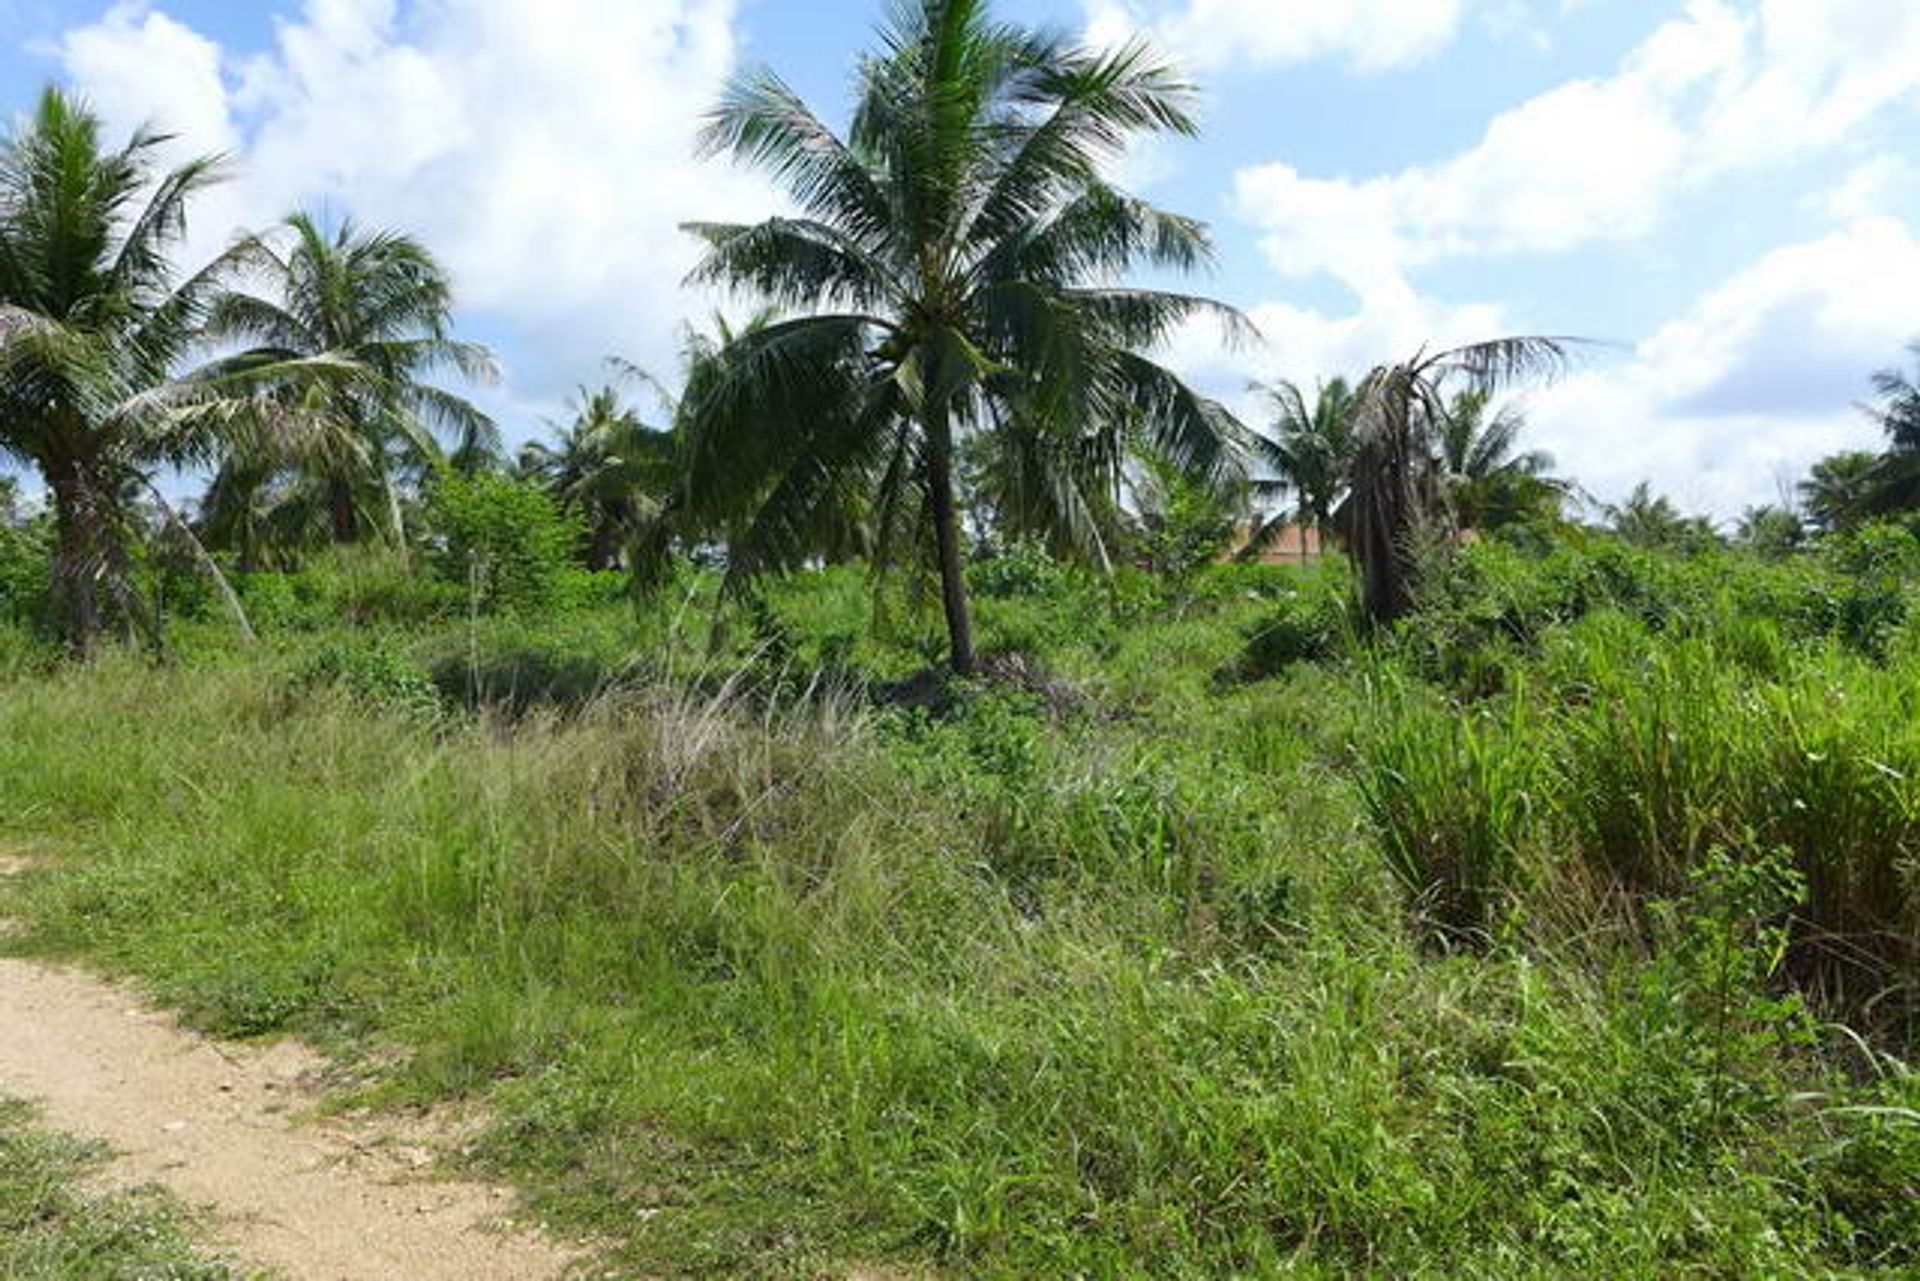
[951,270]
[1771,530]
[378,302]
[1488,483]
[1647,519]
[1310,453]
[1396,491]
[95,328]
[1840,489]
[608,466]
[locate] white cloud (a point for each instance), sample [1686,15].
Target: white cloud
[1874,186]
[1719,90]
[1756,381]
[1370,35]
[544,152]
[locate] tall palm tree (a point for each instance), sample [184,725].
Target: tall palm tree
[1396,490]
[607,465]
[1310,453]
[378,302]
[1489,483]
[1840,489]
[95,327]
[951,271]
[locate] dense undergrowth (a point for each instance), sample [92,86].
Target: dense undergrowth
[1571,929]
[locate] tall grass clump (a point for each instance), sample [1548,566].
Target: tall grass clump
[1454,794]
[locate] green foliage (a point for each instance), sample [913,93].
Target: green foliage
[25,570]
[375,672]
[1453,797]
[1024,569]
[508,543]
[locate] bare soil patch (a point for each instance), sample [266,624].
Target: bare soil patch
[220,1127]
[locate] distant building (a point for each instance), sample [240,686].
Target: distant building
[1297,544]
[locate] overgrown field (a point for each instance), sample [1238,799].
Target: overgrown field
[1573,928]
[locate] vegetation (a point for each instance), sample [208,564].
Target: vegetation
[952,271]
[1523,892]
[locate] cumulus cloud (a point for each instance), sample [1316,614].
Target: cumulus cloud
[1721,89]
[1753,383]
[544,152]
[1369,35]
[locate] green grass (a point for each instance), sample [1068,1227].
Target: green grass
[1141,981]
[55,1227]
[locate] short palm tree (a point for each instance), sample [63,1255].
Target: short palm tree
[1396,491]
[378,302]
[1647,519]
[95,329]
[1309,453]
[607,465]
[952,269]
[1841,488]
[1489,483]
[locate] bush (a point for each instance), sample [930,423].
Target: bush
[25,566]
[507,543]
[1312,623]
[375,673]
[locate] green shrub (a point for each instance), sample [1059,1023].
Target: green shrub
[1025,568]
[506,542]
[374,672]
[25,552]
[1454,796]
[1312,623]
[370,586]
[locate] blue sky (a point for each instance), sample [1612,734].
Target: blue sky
[1726,190]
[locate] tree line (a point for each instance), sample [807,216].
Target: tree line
[948,340]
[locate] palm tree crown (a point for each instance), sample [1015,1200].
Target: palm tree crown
[1490,483]
[952,268]
[379,303]
[1310,452]
[608,465]
[1397,488]
[94,328]
[1839,490]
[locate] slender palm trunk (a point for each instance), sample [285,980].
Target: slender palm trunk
[342,511]
[946,536]
[603,547]
[81,555]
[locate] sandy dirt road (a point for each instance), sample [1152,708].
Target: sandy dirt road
[220,1127]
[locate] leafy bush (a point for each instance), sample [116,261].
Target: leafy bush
[1024,569]
[1312,623]
[370,586]
[506,542]
[374,672]
[24,573]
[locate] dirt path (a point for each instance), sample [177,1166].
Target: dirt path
[313,1201]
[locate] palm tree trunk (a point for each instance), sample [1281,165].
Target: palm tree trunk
[946,537]
[342,511]
[80,555]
